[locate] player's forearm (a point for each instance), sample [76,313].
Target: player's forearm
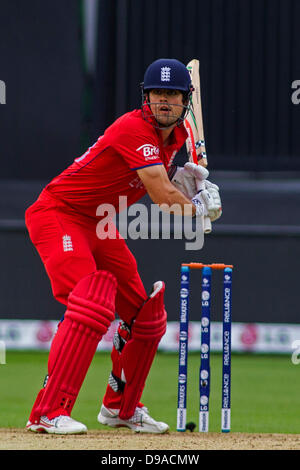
[164,193]
[171,200]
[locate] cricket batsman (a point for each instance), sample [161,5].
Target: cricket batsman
[96,277]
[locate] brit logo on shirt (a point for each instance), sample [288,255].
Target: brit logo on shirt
[150,152]
[165,74]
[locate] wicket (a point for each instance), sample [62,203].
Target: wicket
[204,373]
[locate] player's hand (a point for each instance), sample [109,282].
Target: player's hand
[211,195]
[215,209]
[208,202]
[185,178]
[197,171]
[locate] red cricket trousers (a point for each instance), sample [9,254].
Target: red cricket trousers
[70,250]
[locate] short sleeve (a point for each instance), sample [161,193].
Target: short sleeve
[138,148]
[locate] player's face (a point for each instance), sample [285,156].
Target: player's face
[166,105]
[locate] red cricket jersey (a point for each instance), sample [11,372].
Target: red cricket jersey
[108,169]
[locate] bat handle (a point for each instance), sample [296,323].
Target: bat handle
[207,228]
[207,225]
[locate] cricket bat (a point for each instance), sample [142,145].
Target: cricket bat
[195,143]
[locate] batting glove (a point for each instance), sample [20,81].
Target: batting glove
[185,178]
[215,209]
[208,202]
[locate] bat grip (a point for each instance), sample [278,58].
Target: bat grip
[207,228]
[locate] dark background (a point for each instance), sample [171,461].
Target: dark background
[57,104]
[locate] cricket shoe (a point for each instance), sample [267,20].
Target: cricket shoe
[141,421]
[59,425]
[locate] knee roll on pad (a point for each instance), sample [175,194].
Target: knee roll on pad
[91,302]
[90,311]
[150,323]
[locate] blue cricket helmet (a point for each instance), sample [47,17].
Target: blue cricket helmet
[167,73]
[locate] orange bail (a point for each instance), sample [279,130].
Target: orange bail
[212,266]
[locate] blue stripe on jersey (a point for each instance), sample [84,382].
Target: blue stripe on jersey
[145,166]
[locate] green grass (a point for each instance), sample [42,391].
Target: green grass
[265,391]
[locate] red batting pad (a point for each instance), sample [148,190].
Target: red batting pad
[89,313]
[139,352]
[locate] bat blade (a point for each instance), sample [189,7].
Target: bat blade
[195,143]
[194,120]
